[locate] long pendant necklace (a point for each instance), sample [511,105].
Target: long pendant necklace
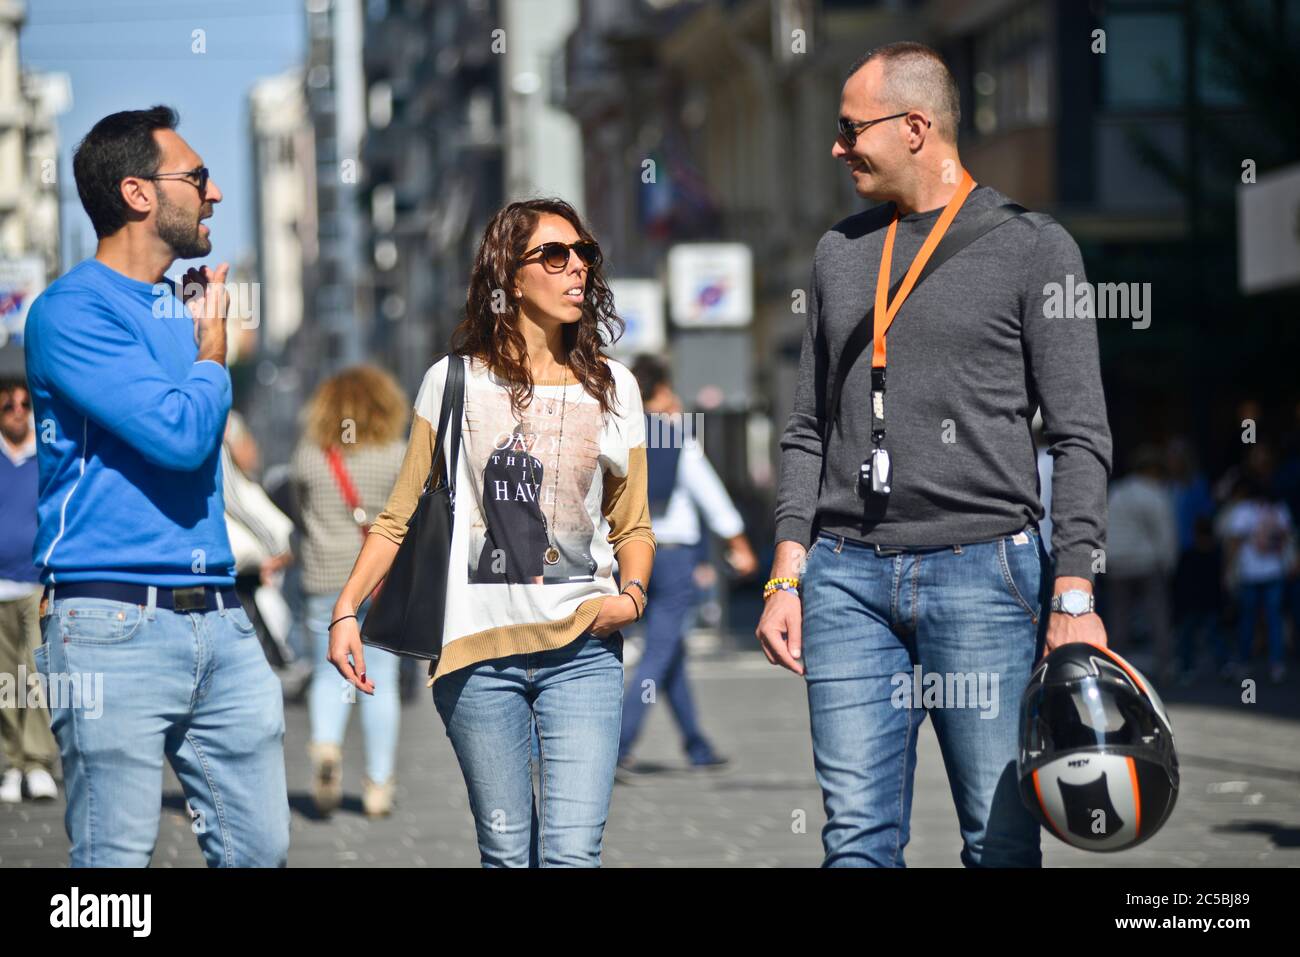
[552,554]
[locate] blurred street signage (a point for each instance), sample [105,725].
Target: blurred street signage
[711,284]
[1268,231]
[22,279]
[640,304]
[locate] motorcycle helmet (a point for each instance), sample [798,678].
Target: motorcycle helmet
[1097,764]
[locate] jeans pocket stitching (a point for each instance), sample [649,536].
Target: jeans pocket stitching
[68,622]
[1010,581]
[239,629]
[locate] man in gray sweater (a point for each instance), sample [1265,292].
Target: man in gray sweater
[921,588]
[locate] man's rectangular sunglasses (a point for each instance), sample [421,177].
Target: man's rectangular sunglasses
[850,130]
[199,172]
[555,255]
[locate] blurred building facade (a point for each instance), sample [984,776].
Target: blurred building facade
[30,103]
[1113,116]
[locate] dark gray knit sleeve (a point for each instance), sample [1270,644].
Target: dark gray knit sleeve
[1061,353]
[801,443]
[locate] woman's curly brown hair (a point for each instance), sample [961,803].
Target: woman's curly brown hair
[492,334]
[365,396]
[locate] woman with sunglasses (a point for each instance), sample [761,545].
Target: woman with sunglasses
[551,488]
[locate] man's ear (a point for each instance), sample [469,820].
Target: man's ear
[919,127]
[137,194]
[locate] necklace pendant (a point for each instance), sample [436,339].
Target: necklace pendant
[552,556]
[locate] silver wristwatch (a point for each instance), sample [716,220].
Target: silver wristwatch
[1074,602]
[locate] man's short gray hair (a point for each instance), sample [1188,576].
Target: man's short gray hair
[915,77]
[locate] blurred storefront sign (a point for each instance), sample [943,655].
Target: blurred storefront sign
[711,284]
[640,304]
[22,279]
[1268,231]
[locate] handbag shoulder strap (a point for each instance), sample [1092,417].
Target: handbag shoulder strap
[342,478]
[958,238]
[453,406]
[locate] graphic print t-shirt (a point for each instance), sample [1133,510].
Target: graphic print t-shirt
[558,474]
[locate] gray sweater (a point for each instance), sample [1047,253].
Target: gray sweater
[970,357]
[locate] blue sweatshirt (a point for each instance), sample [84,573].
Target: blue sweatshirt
[129,432]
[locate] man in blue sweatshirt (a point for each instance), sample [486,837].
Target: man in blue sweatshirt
[146,650]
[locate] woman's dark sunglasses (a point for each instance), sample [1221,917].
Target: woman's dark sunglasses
[850,130]
[555,256]
[200,173]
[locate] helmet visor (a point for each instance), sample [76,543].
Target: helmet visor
[1088,713]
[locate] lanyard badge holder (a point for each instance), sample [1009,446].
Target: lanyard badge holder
[875,475]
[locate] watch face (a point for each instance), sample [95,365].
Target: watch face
[1074,602]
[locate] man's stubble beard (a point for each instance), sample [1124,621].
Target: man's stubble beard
[179,229]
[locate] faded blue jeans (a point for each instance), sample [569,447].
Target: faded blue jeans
[332,696]
[141,683]
[887,638]
[575,693]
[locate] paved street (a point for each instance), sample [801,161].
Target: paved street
[1239,805]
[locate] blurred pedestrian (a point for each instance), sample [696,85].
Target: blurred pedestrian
[29,747]
[137,564]
[515,650]
[1198,600]
[1260,540]
[343,468]
[260,541]
[681,486]
[1141,555]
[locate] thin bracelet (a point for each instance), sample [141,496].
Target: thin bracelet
[337,620]
[640,610]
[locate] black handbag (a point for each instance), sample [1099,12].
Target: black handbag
[406,616]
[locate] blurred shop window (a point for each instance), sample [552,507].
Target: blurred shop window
[1216,83]
[1143,67]
[1012,72]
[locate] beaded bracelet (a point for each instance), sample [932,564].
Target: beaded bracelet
[774,585]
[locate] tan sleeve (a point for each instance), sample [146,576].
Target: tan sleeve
[626,503]
[391,522]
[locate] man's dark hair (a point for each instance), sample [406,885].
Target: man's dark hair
[8,383]
[651,372]
[915,75]
[118,146]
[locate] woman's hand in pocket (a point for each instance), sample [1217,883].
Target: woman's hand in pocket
[615,612]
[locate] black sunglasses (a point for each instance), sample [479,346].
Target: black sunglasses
[555,255]
[25,405]
[850,130]
[201,172]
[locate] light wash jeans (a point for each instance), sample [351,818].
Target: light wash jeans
[968,614]
[575,693]
[136,683]
[331,697]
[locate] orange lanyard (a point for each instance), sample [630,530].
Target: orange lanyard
[885,312]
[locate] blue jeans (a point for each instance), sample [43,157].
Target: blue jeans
[575,693]
[880,634]
[672,596]
[1252,597]
[330,700]
[192,686]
